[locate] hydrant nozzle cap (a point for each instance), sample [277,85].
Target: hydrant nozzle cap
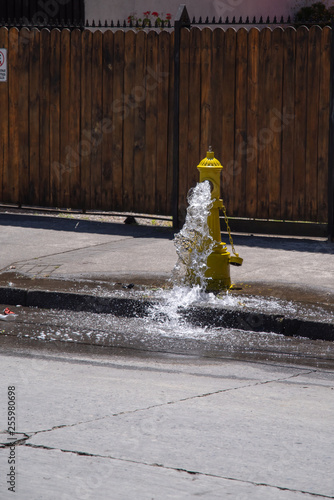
[210,160]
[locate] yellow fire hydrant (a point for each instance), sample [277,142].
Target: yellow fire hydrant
[218,263]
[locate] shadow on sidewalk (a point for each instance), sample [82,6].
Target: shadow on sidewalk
[85,226]
[140,231]
[280,243]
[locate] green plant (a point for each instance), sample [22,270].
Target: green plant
[154,18]
[66,216]
[317,13]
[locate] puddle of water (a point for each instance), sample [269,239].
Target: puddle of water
[165,334]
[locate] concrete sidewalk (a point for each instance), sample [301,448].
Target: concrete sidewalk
[48,262]
[85,257]
[46,246]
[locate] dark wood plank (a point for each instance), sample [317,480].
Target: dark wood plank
[240,167]
[287,122]
[74,132]
[300,123]
[108,77]
[262,142]
[324,95]
[55,56]
[86,118]
[275,128]
[129,114]
[118,120]
[34,104]
[206,96]
[253,96]
[11,179]
[312,130]
[66,162]
[195,154]
[138,95]
[4,123]
[162,81]
[186,95]
[217,91]
[97,93]
[228,85]
[151,125]
[170,127]
[44,120]
[23,103]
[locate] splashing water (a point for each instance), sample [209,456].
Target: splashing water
[193,246]
[194,243]
[165,317]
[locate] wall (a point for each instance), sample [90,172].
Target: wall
[120,9]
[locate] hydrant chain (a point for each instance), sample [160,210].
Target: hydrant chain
[229,230]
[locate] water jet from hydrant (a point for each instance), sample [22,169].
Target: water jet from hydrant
[194,243]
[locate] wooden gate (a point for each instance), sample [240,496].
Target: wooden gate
[86,119]
[261,100]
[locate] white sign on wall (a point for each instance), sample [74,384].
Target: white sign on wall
[3,65]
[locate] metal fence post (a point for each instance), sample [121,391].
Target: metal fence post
[331,146]
[181,20]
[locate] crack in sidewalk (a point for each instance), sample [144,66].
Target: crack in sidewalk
[179,469]
[160,405]
[34,259]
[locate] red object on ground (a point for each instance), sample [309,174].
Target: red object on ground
[8,311]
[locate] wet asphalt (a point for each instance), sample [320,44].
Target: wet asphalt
[109,404]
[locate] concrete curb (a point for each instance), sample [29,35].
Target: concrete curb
[260,322]
[45,299]
[196,315]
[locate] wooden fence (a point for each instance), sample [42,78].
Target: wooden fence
[261,99]
[87,119]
